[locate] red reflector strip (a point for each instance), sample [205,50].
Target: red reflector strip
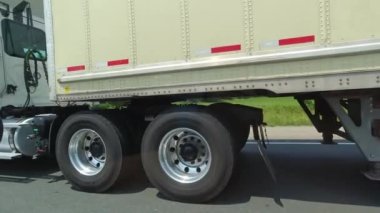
[76,68]
[297,40]
[118,62]
[224,49]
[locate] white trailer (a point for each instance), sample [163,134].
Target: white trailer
[149,54]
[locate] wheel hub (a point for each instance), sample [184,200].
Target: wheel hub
[189,152]
[97,149]
[185,155]
[87,152]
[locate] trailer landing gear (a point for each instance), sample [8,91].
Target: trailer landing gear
[359,115]
[322,117]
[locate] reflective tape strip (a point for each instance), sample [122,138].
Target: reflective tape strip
[288,41]
[118,62]
[112,63]
[224,49]
[76,68]
[297,40]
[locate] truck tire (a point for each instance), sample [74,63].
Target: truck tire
[91,152]
[232,120]
[188,155]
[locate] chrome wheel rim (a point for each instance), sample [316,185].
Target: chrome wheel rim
[87,152]
[184,155]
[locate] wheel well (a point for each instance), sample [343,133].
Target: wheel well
[62,115]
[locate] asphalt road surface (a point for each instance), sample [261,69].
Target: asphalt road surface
[311,178]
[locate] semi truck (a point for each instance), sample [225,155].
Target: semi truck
[60,58]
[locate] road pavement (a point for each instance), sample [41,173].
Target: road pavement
[311,178]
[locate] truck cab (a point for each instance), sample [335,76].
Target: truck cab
[24,76]
[22,29]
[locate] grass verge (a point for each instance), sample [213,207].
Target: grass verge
[283,111]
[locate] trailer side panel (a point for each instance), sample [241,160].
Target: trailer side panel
[121,49]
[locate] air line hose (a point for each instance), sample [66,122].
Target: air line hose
[31,78]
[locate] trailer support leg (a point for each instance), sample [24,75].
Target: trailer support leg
[323,118]
[360,116]
[360,131]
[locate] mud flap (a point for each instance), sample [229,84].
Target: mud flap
[261,137]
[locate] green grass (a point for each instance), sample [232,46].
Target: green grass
[277,111]
[284,111]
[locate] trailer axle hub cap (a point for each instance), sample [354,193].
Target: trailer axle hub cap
[189,152]
[184,155]
[97,149]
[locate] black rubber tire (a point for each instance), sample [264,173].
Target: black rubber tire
[219,141]
[232,121]
[115,144]
[1,128]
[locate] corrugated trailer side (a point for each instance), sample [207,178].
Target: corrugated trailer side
[116,48]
